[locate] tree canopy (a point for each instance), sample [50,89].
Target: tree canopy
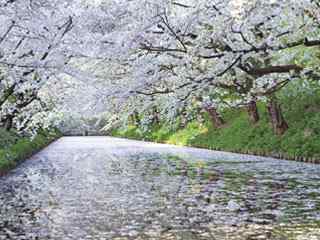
[122,57]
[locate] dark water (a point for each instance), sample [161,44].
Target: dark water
[104,188]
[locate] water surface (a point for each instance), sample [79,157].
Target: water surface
[108,188]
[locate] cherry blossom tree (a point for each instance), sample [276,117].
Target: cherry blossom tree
[41,43]
[196,48]
[129,57]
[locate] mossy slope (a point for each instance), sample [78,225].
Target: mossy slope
[302,140]
[14,149]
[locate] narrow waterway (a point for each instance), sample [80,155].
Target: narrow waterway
[108,188]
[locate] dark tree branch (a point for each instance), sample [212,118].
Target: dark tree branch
[160,49]
[302,42]
[167,91]
[181,5]
[273,69]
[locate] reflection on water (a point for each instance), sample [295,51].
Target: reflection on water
[94,195]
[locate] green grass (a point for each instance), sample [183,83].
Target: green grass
[302,113]
[14,149]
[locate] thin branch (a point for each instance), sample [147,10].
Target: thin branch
[181,5]
[157,92]
[243,37]
[7,32]
[166,22]
[160,49]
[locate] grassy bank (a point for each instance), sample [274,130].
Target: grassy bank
[14,149]
[300,142]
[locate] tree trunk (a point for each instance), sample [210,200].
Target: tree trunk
[278,122]
[134,118]
[253,111]
[183,120]
[215,117]
[8,123]
[156,117]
